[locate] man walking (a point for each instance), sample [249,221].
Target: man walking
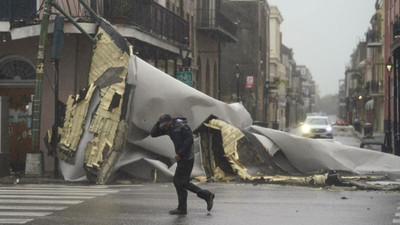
[182,137]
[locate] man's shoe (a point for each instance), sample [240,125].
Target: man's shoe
[210,202]
[178,212]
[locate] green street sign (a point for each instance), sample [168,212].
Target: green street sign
[186,77]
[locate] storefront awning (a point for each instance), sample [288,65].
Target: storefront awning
[369,105]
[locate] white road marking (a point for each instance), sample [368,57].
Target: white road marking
[58,193]
[38,201]
[45,197]
[21,204]
[31,207]
[14,221]
[30,214]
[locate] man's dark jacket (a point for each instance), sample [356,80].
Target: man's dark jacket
[180,134]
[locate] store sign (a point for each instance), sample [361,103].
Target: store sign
[186,77]
[250,82]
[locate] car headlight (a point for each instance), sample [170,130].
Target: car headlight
[329,128]
[305,129]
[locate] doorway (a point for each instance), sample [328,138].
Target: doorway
[19,126]
[17,82]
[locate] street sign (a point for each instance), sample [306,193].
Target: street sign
[185,76]
[250,82]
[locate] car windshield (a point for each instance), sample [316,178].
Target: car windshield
[317,121]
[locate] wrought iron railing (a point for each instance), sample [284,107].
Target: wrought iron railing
[147,15]
[373,87]
[151,17]
[211,18]
[373,36]
[26,10]
[396,27]
[15,10]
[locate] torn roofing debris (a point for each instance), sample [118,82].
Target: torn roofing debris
[107,126]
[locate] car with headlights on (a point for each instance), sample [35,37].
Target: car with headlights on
[317,127]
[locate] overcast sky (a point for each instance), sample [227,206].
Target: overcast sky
[323,35]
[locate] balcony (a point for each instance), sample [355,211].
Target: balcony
[374,39]
[396,28]
[213,21]
[152,18]
[396,34]
[17,10]
[373,88]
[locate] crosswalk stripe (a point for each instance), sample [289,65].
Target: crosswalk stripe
[14,221]
[31,207]
[396,221]
[5,213]
[58,191]
[59,186]
[57,202]
[89,188]
[54,193]
[23,203]
[45,197]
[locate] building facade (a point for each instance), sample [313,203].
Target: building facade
[392,57]
[213,30]
[245,63]
[160,31]
[277,78]
[308,90]
[231,50]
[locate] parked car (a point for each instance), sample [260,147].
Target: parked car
[317,127]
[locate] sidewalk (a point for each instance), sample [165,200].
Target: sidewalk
[376,136]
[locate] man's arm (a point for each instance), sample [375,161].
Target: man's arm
[157,131]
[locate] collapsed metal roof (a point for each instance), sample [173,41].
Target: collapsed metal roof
[107,128]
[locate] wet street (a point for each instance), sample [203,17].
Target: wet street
[234,204]
[344,134]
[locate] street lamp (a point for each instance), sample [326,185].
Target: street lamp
[184,73]
[288,105]
[389,65]
[388,131]
[185,54]
[237,74]
[276,124]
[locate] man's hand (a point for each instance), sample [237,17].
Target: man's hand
[177,157]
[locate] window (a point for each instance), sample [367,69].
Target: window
[16,68]
[215,81]
[208,78]
[198,78]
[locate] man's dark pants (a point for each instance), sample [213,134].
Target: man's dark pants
[182,184]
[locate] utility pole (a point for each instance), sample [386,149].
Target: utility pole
[37,98]
[33,164]
[56,52]
[237,74]
[388,131]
